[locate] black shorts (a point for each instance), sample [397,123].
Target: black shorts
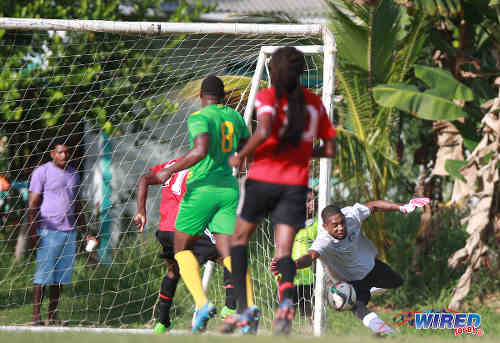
[381,276]
[204,249]
[285,204]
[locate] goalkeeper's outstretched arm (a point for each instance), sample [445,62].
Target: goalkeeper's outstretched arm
[383,205]
[306,260]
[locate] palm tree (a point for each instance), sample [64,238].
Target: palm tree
[377,43]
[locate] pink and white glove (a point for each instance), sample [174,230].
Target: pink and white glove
[413,204]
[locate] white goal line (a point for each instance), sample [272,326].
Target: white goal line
[20,328]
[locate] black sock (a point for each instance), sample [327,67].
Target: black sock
[228,285]
[167,292]
[287,269]
[360,310]
[239,264]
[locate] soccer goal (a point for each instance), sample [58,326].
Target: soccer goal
[119,93]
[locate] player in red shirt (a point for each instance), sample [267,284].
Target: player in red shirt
[204,249]
[289,118]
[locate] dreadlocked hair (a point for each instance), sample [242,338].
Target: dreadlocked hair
[287,64]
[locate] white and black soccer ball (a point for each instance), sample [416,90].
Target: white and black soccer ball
[341,296]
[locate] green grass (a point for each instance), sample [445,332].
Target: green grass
[121,338]
[124,294]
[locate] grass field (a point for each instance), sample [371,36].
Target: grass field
[123,295]
[24,337]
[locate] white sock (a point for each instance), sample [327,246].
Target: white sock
[377,290]
[377,325]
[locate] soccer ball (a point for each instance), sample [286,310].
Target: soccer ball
[341,296]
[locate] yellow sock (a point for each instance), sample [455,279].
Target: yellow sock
[227,263]
[189,269]
[250,301]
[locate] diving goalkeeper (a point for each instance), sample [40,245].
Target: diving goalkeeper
[348,255]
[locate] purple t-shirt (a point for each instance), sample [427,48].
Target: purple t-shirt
[59,189]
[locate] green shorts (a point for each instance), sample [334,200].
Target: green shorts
[209,203]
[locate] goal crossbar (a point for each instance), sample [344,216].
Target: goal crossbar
[158,28]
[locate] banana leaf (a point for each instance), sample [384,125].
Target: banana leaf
[442,80]
[425,105]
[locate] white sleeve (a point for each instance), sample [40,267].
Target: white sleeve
[319,245]
[360,211]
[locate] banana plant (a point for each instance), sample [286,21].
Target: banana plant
[436,103]
[377,43]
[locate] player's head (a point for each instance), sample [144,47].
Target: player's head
[212,90]
[59,152]
[311,203]
[334,221]
[287,64]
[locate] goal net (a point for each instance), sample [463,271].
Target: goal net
[119,94]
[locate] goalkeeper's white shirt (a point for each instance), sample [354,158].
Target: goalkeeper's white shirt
[353,257]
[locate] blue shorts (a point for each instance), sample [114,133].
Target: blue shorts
[55,257]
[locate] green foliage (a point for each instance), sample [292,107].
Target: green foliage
[436,103]
[53,82]
[444,83]
[431,284]
[376,45]
[453,168]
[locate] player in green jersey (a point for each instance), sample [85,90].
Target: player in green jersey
[212,194]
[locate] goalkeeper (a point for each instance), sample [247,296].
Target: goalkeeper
[348,255]
[204,249]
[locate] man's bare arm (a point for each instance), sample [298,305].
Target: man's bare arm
[307,259]
[382,206]
[150,178]
[81,223]
[34,202]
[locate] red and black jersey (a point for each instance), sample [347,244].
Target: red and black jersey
[290,166]
[172,192]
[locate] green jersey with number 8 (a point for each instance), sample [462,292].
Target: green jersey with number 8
[226,128]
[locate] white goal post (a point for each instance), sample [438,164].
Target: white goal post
[248,44]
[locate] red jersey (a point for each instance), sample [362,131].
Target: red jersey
[289,166]
[172,192]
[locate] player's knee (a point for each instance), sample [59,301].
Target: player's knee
[240,238]
[174,274]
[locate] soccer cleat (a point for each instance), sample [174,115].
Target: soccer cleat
[161,328]
[380,328]
[252,317]
[202,316]
[226,311]
[282,324]
[229,324]
[247,321]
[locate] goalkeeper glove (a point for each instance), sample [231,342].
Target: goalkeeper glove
[413,204]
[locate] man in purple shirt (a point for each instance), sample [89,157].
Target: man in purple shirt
[53,210]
